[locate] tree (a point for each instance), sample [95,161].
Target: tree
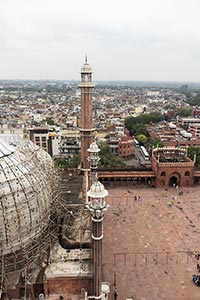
[191,152]
[104,149]
[170,106]
[63,163]
[108,160]
[140,129]
[142,139]
[50,121]
[60,163]
[154,142]
[194,101]
[137,125]
[182,112]
[74,162]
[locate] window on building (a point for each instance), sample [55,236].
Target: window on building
[163,173]
[37,138]
[187,173]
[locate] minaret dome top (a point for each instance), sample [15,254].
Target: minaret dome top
[86,68]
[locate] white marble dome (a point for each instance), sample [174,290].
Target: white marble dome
[28,187]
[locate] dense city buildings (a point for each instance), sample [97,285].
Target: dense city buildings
[53,244]
[56,107]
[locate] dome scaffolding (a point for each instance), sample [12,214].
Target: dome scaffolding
[29,186]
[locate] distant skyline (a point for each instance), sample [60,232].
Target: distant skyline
[130,40]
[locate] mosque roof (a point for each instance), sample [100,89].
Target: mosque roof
[5,149]
[27,182]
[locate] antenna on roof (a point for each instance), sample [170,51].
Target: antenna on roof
[85,58]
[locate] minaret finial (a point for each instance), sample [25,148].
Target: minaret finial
[85,58]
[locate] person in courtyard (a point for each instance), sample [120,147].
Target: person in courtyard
[115,293]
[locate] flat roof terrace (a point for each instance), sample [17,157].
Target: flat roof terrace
[150,238]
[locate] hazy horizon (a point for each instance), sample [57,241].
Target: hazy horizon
[97,81]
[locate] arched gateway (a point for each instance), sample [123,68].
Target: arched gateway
[172,167]
[173,181]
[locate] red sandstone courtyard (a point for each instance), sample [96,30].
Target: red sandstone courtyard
[149,243]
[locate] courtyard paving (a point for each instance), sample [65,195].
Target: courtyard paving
[150,239]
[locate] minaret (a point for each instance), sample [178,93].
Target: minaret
[86,123]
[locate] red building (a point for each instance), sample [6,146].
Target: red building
[194,129]
[172,167]
[196,112]
[121,143]
[126,147]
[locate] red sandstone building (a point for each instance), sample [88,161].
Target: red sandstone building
[126,147]
[121,143]
[170,166]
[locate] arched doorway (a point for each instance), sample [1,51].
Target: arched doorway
[173,181]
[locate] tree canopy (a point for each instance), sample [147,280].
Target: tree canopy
[142,139]
[109,161]
[63,163]
[154,143]
[137,125]
[191,152]
[50,121]
[194,101]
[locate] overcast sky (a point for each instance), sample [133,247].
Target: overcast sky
[124,40]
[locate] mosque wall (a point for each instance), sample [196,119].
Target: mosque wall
[67,285]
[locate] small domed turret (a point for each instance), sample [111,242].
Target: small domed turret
[86,68]
[97,190]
